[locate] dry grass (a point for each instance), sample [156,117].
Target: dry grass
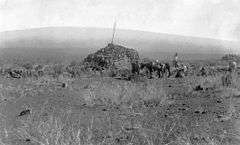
[102,111]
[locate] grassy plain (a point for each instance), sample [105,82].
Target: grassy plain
[103,110]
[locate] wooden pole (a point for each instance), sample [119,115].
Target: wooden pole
[114,31]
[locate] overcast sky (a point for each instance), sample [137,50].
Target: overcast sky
[218,19]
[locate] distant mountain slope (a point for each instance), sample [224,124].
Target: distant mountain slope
[73,41]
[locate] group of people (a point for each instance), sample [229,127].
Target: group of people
[230,69]
[151,67]
[160,68]
[177,69]
[148,67]
[22,72]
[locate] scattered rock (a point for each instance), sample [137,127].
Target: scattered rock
[104,109]
[24,112]
[63,85]
[198,88]
[27,140]
[179,74]
[204,112]
[197,112]
[219,101]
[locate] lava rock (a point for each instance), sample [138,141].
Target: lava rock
[24,112]
[113,57]
[198,88]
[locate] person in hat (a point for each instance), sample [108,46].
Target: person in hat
[175,60]
[232,66]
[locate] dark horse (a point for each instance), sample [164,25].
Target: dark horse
[152,67]
[160,68]
[148,66]
[167,68]
[135,68]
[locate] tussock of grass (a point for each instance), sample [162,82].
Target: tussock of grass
[107,111]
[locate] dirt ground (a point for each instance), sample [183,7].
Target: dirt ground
[104,111]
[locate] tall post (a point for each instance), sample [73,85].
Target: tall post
[114,30]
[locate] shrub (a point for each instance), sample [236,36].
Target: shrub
[58,69]
[27,66]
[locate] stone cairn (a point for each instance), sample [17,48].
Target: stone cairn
[114,58]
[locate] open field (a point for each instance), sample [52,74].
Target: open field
[47,97]
[119,72]
[103,110]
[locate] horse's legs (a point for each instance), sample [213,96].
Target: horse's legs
[159,73]
[151,71]
[169,72]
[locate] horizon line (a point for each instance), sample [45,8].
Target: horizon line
[124,29]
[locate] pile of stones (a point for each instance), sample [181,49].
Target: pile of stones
[112,57]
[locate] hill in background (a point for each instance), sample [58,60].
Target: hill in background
[65,43]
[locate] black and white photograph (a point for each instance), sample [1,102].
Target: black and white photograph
[119,72]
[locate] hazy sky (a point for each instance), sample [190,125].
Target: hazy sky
[205,18]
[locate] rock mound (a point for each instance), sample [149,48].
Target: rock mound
[231,57]
[112,56]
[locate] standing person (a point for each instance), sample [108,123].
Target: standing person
[232,66]
[185,70]
[159,68]
[149,66]
[175,60]
[167,68]
[203,71]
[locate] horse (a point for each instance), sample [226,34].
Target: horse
[135,68]
[167,68]
[181,71]
[16,72]
[155,66]
[148,66]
